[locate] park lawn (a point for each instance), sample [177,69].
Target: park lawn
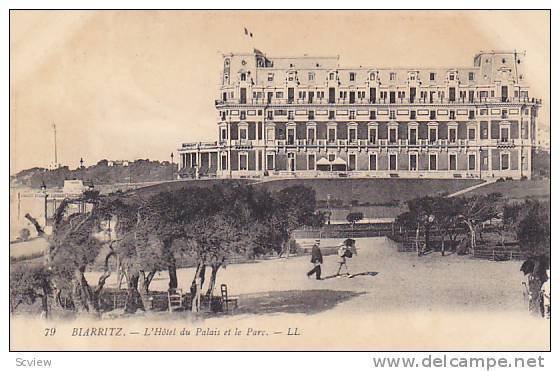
[28,248]
[517,189]
[182,184]
[375,191]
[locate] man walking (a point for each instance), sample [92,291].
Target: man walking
[316,260]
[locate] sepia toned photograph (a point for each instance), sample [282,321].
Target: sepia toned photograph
[373,180]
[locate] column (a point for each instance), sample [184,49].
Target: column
[520,160]
[257,161]
[490,166]
[229,162]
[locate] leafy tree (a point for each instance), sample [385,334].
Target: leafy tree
[446,214]
[72,247]
[293,207]
[354,217]
[422,212]
[29,283]
[533,233]
[478,210]
[533,228]
[24,234]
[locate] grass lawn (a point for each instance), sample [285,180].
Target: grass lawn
[28,248]
[375,191]
[517,189]
[181,184]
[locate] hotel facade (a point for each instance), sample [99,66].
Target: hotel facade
[310,117]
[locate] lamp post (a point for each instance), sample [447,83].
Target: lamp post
[45,195]
[480,162]
[172,169]
[329,208]
[82,168]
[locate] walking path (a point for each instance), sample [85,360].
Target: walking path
[463,191]
[393,301]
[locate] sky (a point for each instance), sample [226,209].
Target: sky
[137,84]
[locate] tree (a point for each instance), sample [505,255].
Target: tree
[354,217]
[29,284]
[293,207]
[446,214]
[533,228]
[510,215]
[72,247]
[478,210]
[24,234]
[422,213]
[534,233]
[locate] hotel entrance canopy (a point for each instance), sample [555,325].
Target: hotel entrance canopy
[337,164]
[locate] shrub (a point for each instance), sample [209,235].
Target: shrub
[24,234]
[354,217]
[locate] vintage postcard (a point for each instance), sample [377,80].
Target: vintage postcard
[279,180]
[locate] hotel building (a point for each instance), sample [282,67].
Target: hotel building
[311,117]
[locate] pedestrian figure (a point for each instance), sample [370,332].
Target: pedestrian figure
[316,260]
[342,260]
[344,251]
[546,296]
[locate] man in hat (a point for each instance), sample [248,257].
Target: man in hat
[316,260]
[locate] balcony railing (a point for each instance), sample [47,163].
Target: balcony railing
[199,145]
[380,101]
[243,143]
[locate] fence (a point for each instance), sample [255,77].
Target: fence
[508,251]
[345,231]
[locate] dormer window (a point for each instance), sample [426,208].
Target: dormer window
[331,76]
[243,77]
[432,76]
[270,77]
[352,76]
[372,75]
[311,76]
[471,76]
[392,76]
[451,77]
